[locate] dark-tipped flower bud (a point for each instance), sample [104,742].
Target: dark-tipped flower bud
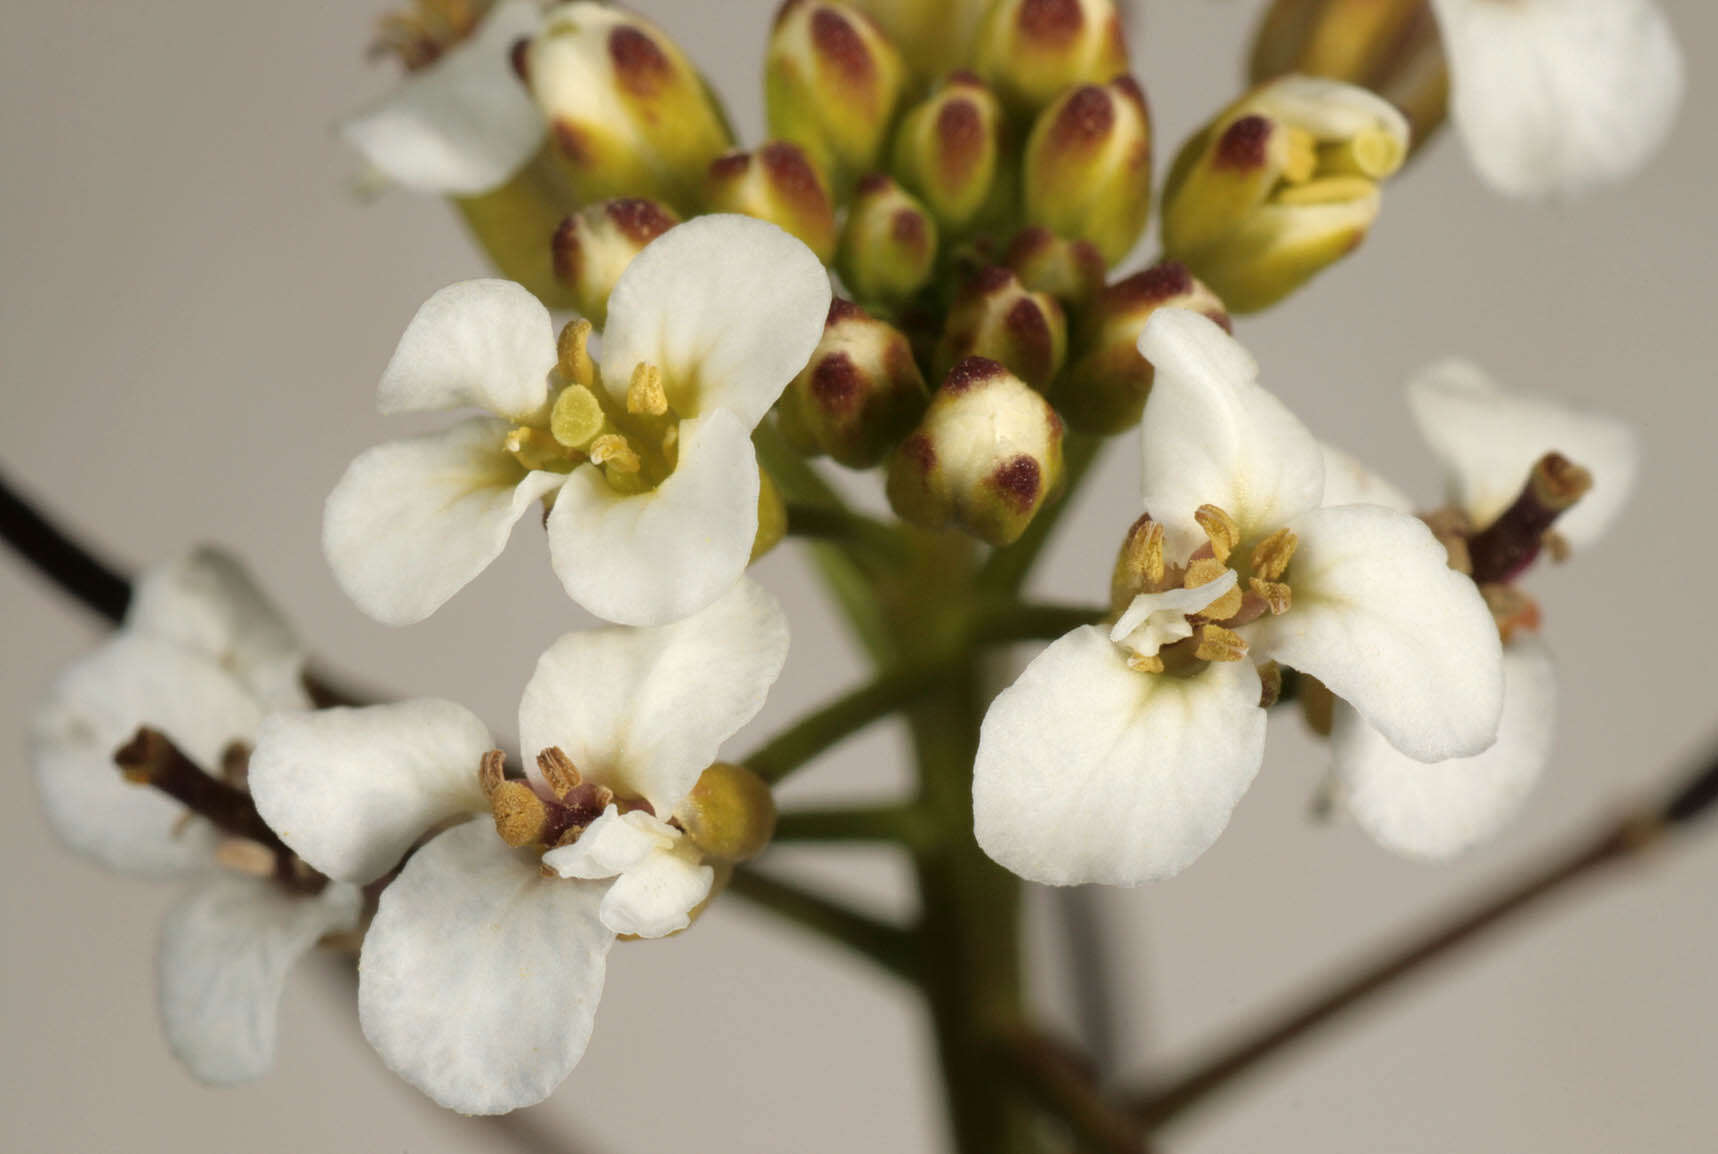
[628,112]
[995,316]
[1032,50]
[948,152]
[832,80]
[1104,389]
[1088,166]
[1281,185]
[934,36]
[889,245]
[859,394]
[1072,271]
[777,183]
[594,246]
[984,458]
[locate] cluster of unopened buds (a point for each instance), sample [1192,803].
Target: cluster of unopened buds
[974,176]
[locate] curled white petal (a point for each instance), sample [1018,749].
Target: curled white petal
[644,711]
[648,558]
[412,522]
[350,790]
[479,979]
[1553,97]
[656,897]
[728,307]
[611,845]
[463,125]
[1348,482]
[1090,772]
[226,948]
[1153,620]
[481,344]
[1489,438]
[1438,810]
[1211,435]
[1380,617]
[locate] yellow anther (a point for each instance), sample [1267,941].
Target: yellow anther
[1203,571]
[1328,190]
[577,418]
[558,770]
[612,452]
[537,449]
[1139,663]
[1220,528]
[1371,153]
[1271,556]
[492,771]
[1139,565]
[573,354]
[644,395]
[1215,643]
[1276,594]
[1270,684]
[1300,154]
[520,815]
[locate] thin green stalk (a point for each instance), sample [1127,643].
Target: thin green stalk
[889,946]
[896,823]
[823,728]
[1031,621]
[1008,567]
[871,542]
[1065,1085]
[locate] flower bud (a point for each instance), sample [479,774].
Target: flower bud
[996,317]
[777,183]
[1031,50]
[594,246]
[934,36]
[949,153]
[1282,184]
[1389,46]
[1106,385]
[831,84]
[984,458]
[1072,271]
[889,244]
[729,815]
[628,112]
[859,394]
[1088,166]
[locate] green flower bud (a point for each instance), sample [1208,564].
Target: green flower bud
[1106,385]
[1281,185]
[984,458]
[729,815]
[1389,46]
[1031,50]
[777,183]
[996,317]
[859,394]
[1088,166]
[949,153]
[831,84]
[594,246]
[628,112]
[1072,271]
[510,222]
[934,36]
[889,244]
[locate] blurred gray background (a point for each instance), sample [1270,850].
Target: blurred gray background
[194,312]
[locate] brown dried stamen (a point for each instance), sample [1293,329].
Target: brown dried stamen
[1220,528]
[1506,547]
[526,815]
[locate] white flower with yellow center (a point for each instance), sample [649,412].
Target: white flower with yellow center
[200,658]
[646,460]
[481,972]
[1502,452]
[1119,754]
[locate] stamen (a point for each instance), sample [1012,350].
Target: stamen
[613,453]
[1271,556]
[1371,153]
[1507,546]
[537,449]
[1276,594]
[1140,663]
[1215,643]
[558,770]
[1203,571]
[1224,534]
[1139,565]
[645,395]
[521,817]
[573,358]
[492,771]
[1270,684]
[1300,160]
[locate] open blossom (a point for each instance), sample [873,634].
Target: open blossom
[201,658]
[644,457]
[1120,752]
[481,972]
[1523,470]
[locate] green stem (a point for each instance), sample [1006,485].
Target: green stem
[869,541]
[1030,621]
[1008,567]
[898,823]
[889,946]
[1063,1084]
[816,732]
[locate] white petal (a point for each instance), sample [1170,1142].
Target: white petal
[350,790]
[479,978]
[1489,438]
[657,556]
[412,522]
[225,951]
[656,897]
[1380,617]
[208,602]
[1438,810]
[1348,482]
[611,845]
[480,344]
[729,308]
[1213,436]
[644,711]
[1330,110]
[463,125]
[94,708]
[1555,96]
[1090,772]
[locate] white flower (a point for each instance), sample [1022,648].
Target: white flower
[201,657]
[1553,97]
[481,972]
[650,470]
[463,124]
[1118,757]
[1489,441]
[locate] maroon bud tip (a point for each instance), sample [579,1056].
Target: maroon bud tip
[844,310]
[640,65]
[971,371]
[1244,143]
[1018,481]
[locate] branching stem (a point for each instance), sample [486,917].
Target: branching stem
[889,946]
